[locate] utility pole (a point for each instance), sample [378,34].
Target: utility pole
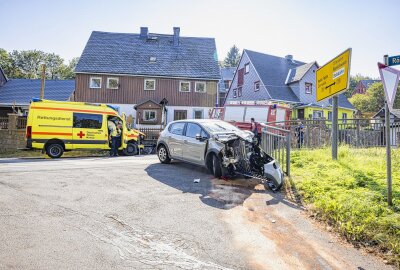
[388,150]
[43,81]
[334,127]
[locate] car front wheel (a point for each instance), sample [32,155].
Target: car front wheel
[162,154]
[131,149]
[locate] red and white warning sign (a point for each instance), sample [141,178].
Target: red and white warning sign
[390,79]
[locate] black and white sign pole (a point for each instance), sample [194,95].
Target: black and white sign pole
[388,150]
[334,127]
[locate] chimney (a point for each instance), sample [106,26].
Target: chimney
[289,57]
[176,36]
[144,32]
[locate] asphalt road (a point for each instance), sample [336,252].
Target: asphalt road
[135,213]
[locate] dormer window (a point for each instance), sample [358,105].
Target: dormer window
[153,59]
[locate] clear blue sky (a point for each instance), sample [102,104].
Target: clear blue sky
[310,30]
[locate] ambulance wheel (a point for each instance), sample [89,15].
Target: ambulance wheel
[131,149]
[54,150]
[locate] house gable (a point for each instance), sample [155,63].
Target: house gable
[249,79]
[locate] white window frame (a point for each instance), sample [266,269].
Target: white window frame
[180,86]
[145,80]
[108,82]
[205,87]
[152,120]
[198,110]
[259,86]
[305,88]
[246,68]
[90,82]
[234,93]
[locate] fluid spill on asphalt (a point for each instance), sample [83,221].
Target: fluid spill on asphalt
[269,241]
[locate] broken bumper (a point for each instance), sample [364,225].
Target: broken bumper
[273,172]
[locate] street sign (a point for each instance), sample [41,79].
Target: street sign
[390,79]
[333,78]
[394,60]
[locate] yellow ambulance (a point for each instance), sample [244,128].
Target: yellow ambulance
[56,126]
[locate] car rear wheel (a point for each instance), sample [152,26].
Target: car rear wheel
[131,149]
[54,150]
[162,154]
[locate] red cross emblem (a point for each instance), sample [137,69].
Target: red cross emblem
[80,134]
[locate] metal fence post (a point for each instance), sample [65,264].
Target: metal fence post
[288,140]
[358,133]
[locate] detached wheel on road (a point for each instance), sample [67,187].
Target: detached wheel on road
[162,154]
[131,149]
[54,150]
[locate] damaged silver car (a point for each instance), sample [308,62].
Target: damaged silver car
[221,147]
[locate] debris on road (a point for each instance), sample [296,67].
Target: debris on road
[197,180]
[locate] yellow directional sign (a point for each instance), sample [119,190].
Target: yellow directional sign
[333,78]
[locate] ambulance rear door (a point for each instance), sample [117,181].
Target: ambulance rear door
[89,131]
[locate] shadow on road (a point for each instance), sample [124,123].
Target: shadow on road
[218,193]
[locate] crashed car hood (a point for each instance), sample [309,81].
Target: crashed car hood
[233,135]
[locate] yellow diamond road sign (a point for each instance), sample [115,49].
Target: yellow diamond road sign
[333,78]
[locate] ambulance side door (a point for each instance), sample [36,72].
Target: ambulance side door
[89,131]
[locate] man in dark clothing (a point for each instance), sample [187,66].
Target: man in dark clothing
[300,134]
[115,137]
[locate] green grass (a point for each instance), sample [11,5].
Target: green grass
[350,194]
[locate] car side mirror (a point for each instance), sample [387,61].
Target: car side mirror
[198,137]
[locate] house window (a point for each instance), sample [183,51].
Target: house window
[149,84]
[227,84]
[95,82]
[152,59]
[149,115]
[246,68]
[239,91]
[329,116]
[344,118]
[308,87]
[184,86]
[112,83]
[256,86]
[200,87]
[235,93]
[198,114]
[317,114]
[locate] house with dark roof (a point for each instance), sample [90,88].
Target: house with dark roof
[224,83]
[128,69]
[282,80]
[16,94]
[363,85]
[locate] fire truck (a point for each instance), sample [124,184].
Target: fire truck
[239,113]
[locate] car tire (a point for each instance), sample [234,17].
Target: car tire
[131,149]
[163,155]
[54,150]
[216,166]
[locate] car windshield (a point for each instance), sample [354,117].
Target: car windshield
[219,127]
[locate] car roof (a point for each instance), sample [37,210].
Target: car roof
[200,121]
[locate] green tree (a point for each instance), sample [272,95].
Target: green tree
[67,71]
[373,100]
[28,65]
[233,57]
